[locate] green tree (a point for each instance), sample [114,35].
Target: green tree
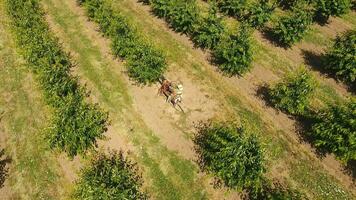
[180,14]
[341,58]
[291,28]
[289,4]
[235,8]
[292,94]
[109,177]
[230,154]
[208,32]
[327,8]
[234,53]
[259,13]
[335,130]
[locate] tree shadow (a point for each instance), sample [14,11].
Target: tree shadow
[262,93]
[272,189]
[315,61]
[350,169]
[4,161]
[268,34]
[303,122]
[303,127]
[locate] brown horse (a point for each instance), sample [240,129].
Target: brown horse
[167,89]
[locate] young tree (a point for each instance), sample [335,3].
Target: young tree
[226,151]
[208,32]
[259,13]
[293,93]
[335,130]
[327,8]
[291,29]
[235,8]
[234,53]
[289,4]
[109,177]
[183,15]
[341,58]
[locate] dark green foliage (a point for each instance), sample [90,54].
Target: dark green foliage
[259,13]
[145,63]
[110,177]
[293,93]
[335,130]
[291,28]
[226,151]
[234,54]
[341,58]
[289,4]
[255,14]
[180,14]
[327,8]
[234,8]
[76,124]
[208,32]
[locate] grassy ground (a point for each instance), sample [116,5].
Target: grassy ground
[34,170]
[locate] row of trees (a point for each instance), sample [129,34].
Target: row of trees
[236,158]
[332,129]
[256,14]
[288,30]
[231,52]
[76,124]
[301,13]
[145,63]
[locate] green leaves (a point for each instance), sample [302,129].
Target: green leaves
[259,13]
[110,177]
[235,8]
[234,54]
[341,58]
[226,151]
[327,8]
[76,124]
[145,64]
[291,29]
[293,93]
[180,14]
[255,14]
[335,130]
[208,32]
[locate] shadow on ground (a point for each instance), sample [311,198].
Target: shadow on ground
[315,61]
[268,34]
[4,162]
